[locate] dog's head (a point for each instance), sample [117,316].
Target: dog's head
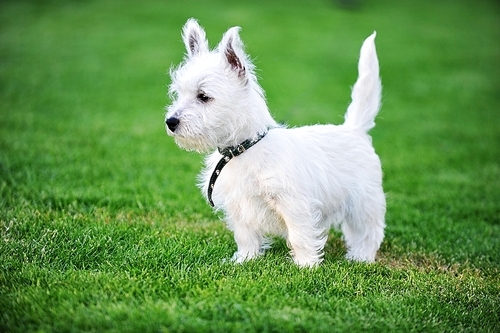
[214,93]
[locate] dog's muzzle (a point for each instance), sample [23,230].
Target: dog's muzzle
[172,123]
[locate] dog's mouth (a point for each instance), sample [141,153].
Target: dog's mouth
[188,140]
[198,145]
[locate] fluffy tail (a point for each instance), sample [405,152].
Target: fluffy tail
[366,91]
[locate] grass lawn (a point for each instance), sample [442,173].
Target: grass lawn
[102,228]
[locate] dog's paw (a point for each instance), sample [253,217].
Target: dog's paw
[307,263]
[359,257]
[239,257]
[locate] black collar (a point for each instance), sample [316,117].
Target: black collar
[228,153]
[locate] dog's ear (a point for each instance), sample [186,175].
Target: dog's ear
[232,50]
[194,38]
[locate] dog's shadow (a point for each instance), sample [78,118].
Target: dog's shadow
[388,256]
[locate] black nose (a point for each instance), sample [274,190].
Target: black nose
[172,123]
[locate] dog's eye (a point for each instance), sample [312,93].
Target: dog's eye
[203,98]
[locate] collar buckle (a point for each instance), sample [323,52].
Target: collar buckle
[240,149]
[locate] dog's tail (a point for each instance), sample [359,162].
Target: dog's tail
[367,89]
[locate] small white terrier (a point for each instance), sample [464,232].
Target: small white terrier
[270,180]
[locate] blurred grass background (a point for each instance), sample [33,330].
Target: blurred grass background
[102,227]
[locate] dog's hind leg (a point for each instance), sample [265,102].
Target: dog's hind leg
[364,229]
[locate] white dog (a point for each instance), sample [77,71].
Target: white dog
[270,180]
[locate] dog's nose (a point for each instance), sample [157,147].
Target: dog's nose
[172,123]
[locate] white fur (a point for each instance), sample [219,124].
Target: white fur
[296,183]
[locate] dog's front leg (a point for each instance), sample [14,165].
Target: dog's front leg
[306,234]
[249,241]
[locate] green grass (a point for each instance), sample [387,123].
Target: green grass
[103,229]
